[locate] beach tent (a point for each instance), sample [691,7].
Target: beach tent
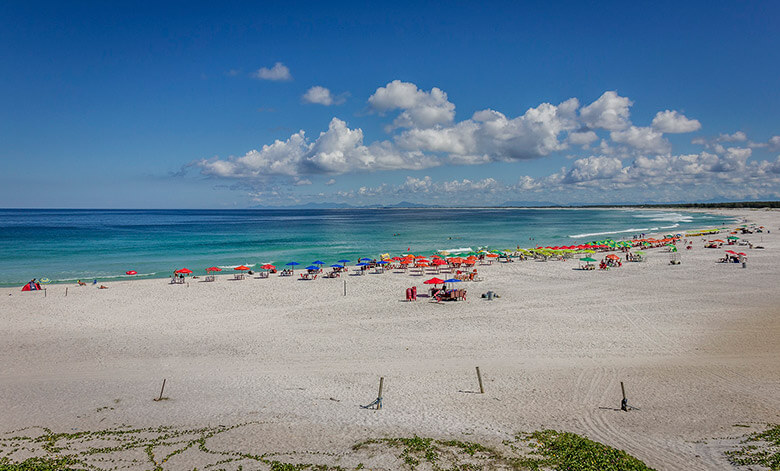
[31,287]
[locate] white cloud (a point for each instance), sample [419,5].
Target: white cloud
[594,168]
[336,151]
[321,96]
[421,109]
[332,181]
[674,122]
[642,139]
[490,136]
[278,73]
[425,134]
[610,112]
[583,138]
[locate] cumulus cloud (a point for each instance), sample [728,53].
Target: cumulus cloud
[643,139]
[491,136]
[607,150]
[420,109]
[582,138]
[321,96]
[337,150]
[610,112]
[672,122]
[278,73]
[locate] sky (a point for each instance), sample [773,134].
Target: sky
[237,105]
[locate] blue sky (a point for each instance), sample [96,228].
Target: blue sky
[187,105]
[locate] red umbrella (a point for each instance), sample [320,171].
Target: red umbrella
[268,266]
[131,272]
[438,261]
[433,281]
[184,270]
[213,269]
[241,268]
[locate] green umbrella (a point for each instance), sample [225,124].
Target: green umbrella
[639,252]
[732,238]
[587,259]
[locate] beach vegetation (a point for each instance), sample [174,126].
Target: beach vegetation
[758,449]
[154,448]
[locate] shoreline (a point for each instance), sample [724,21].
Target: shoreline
[695,345]
[617,235]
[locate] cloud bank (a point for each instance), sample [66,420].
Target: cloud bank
[423,133]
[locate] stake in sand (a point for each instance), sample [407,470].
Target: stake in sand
[479,378]
[161,392]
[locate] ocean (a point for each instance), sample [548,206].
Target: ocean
[64,245]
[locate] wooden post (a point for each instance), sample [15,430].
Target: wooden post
[479,378]
[345,287]
[161,391]
[624,402]
[66,291]
[379,397]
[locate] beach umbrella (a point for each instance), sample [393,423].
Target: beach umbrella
[184,271]
[364,259]
[292,264]
[241,268]
[361,264]
[312,267]
[433,281]
[382,262]
[318,262]
[732,238]
[210,269]
[453,280]
[268,266]
[587,259]
[343,262]
[613,257]
[131,272]
[439,261]
[492,255]
[639,252]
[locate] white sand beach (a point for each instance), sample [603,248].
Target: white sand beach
[697,346]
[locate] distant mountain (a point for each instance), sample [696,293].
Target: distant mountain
[311,205]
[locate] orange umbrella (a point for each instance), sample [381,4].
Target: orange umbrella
[492,255]
[241,268]
[213,269]
[185,271]
[439,261]
[422,264]
[268,266]
[613,256]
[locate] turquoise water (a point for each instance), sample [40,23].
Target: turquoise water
[65,245]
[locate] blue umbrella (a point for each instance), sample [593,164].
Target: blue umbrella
[364,259]
[312,267]
[318,262]
[453,280]
[382,262]
[336,266]
[292,263]
[361,264]
[344,261]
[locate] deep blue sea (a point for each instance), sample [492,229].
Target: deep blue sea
[64,245]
